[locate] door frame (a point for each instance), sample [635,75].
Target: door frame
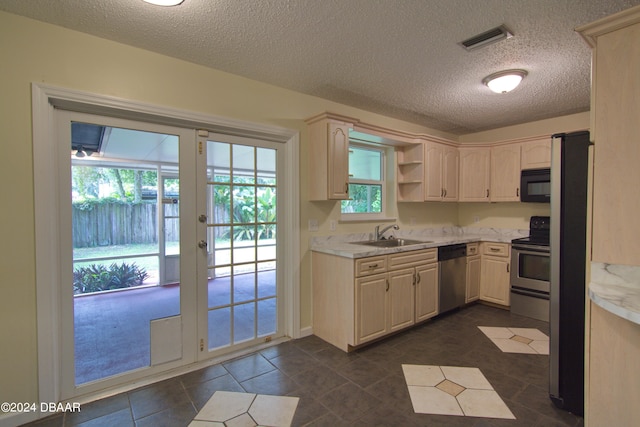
[46,202]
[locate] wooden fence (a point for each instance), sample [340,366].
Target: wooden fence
[120,224]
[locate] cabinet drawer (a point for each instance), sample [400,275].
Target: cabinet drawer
[372,265]
[495,249]
[411,258]
[472,249]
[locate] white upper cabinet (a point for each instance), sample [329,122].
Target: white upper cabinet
[329,160]
[505,173]
[536,154]
[427,171]
[441,172]
[475,174]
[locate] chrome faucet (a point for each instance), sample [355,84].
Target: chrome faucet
[379,235]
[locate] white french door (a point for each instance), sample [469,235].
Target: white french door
[127,250]
[240,293]
[191,221]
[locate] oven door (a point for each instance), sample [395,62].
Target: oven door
[530,270]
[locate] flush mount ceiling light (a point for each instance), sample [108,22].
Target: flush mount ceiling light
[504,81]
[164,2]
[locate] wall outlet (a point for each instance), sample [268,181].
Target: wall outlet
[332,225]
[476,219]
[313,225]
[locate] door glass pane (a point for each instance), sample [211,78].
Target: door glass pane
[125,233]
[241,243]
[244,322]
[243,164]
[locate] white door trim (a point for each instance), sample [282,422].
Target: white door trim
[45,164]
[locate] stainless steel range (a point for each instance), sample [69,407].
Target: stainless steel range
[531,271]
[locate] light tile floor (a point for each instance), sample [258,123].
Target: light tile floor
[452,390]
[231,409]
[518,340]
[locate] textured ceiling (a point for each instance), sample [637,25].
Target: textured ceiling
[399,58]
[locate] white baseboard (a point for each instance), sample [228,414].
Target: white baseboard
[306,332]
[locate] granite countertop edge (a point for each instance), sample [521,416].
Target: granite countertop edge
[616,288]
[345,246]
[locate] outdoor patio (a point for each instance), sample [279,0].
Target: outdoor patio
[112,328]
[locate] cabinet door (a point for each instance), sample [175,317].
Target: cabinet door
[450,173]
[536,154]
[338,161]
[426,291]
[494,280]
[505,173]
[474,174]
[401,299]
[433,172]
[473,278]
[371,307]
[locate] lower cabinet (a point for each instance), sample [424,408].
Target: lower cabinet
[494,273]
[473,272]
[384,303]
[426,291]
[371,307]
[358,301]
[355,302]
[401,294]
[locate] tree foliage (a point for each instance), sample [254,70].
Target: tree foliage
[124,185]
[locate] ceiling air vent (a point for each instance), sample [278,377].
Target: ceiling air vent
[486,38]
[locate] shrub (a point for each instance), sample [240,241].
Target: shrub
[97,277]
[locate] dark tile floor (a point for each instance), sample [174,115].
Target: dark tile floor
[363,388]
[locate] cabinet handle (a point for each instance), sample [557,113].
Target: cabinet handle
[445,193]
[494,249]
[346,187]
[507,267]
[387,280]
[373,266]
[518,192]
[418,277]
[442,192]
[487,192]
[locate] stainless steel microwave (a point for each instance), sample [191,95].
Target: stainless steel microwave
[535,185]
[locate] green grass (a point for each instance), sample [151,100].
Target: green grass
[125,252]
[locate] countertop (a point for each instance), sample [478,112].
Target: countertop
[616,288]
[343,245]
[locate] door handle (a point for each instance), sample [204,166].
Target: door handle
[202,244]
[202,218]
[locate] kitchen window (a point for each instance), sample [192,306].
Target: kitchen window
[366,182]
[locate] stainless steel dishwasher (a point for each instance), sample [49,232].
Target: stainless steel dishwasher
[452,266]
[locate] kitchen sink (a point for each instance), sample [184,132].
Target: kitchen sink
[391,243]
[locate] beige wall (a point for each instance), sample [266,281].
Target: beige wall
[569,123]
[35,52]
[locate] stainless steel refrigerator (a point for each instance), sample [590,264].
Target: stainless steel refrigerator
[569,174]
